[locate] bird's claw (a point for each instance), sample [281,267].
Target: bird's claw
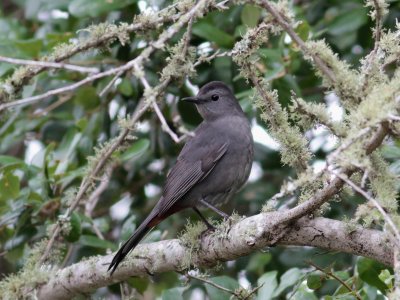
[209,229]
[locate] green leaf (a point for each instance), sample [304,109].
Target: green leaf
[271,55]
[76,229]
[269,284]
[222,68]
[213,34]
[82,123]
[395,167]
[53,39]
[66,152]
[9,186]
[348,21]
[387,278]
[390,152]
[289,278]
[15,254]
[303,30]
[95,242]
[218,294]
[250,15]
[5,160]
[303,293]
[369,271]
[314,282]
[11,29]
[70,176]
[258,261]
[125,87]
[138,148]
[139,283]
[93,8]
[87,97]
[30,47]
[173,294]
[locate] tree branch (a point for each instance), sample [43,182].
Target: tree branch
[249,235]
[95,43]
[48,64]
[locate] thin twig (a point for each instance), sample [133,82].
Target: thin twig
[95,196]
[378,25]
[209,58]
[145,83]
[126,291]
[359,190]
[364,179]
[10,121]
[331,274]
[164,125]
[110,84]
[220,287]
[346,145]
[234,293]
[67,256]
[394,118]
[188,36]
[99,234]
[49,64]
[59,102]
[71,87]
[372,56]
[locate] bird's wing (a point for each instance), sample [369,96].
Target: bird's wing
[186,173]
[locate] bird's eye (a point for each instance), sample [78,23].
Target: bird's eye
[214,97]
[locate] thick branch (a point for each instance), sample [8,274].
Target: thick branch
[245,237]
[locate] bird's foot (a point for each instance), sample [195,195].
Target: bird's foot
[209,229]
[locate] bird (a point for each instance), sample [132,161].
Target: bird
[212,166]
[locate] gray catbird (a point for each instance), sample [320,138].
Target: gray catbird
[211,167]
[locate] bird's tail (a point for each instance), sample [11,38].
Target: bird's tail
[136,237]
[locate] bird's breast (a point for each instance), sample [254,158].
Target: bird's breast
[236,164]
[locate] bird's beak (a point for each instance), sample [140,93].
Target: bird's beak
[195,100]
[190,99]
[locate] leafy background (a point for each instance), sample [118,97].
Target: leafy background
[43,155]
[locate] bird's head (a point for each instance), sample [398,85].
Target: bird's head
[215,100]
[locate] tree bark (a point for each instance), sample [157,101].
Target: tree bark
[248,235]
